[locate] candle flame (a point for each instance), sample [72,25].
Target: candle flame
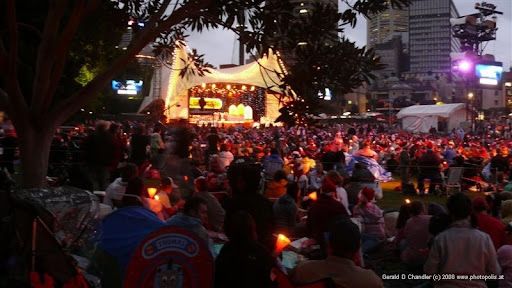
[151,192]
[281,242]
[407,201]
[313,196]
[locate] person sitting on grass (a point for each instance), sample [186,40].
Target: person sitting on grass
[116,189]
[193,218]
[416,235]
[169,196]
[343,246]
[373,219]
[243,262]
[461,249]
[285,210]
[323,211]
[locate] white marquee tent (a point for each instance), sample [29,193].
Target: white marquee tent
[421,118]
[265,72]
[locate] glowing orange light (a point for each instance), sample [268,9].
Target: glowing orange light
[281,242]
[407,201]
[185,178]
[151,192]
[252,88]
[244,87]
[157,197]
[203,85]
[228,87]
[313,196]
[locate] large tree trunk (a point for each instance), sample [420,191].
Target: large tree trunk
[35,152]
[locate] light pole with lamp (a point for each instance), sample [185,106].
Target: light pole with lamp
[471,96]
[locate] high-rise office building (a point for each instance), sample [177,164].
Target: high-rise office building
[385,26]
[430,37]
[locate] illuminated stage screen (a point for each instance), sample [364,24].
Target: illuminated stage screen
[489,74]
[128,87]
[207,99]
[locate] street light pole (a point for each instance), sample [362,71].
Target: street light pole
[471,96]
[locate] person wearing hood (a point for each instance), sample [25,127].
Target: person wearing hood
[372,217]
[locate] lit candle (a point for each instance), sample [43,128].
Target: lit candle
[157,197]
[313,196]
[281,242]
[151,192]
[407,201]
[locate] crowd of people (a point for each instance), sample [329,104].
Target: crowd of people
[323,183]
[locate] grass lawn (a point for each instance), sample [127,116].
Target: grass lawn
[392,199]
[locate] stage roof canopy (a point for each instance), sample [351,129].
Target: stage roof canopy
[266,72]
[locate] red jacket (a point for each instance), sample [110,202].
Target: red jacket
[493,227]
[321,214]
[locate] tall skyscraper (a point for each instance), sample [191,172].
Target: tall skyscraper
[430,37]
[386,25]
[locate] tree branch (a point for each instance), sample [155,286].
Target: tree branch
[62,50]
[157,16]
[17,107]
[67,107]
[46,55]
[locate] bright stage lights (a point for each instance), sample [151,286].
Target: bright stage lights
[465,66]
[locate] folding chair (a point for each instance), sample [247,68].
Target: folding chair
[453,179]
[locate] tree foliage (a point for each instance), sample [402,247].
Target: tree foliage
[45,43]
[318,58]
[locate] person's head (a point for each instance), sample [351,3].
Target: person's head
[479,205]
[292,189]
[319,167]
[335,176]
[128,172]
[201,184]
[417,208]
[244,177]
[196,207]
[435,209]
[508,233]
[274,151]
[241,227]
[279,175]
[366,196]
[167,184]
[459,206]
[506,208]
[135,187]
[403,215]
[438,223]
[328,186]
[344,239]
